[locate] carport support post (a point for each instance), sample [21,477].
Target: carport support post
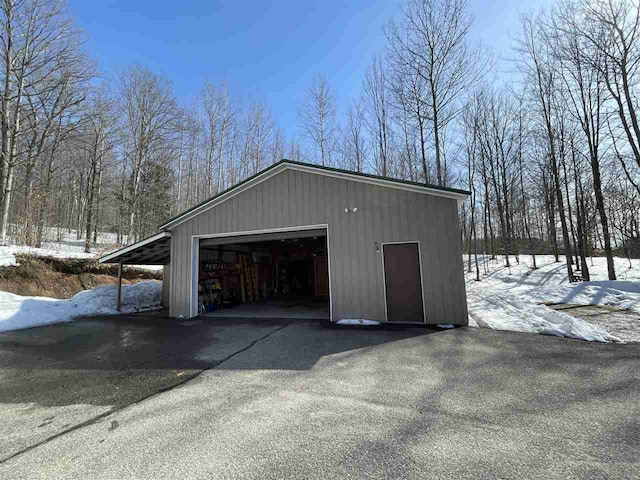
[119,287]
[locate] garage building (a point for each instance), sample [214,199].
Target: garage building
[301,240]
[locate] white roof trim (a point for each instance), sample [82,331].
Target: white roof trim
[460,197]
[133,246]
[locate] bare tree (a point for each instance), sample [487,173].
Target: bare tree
[294,150]
[537,66]
[471,125]
[259,138]
[431,43]
[218,115]
[410,95]
[149,125]
[278,145]
[318,118]
[497,142]
[525,196]
[378,118]
[59,107]
[39,51]
[612,29]
[99,139]
[354,137]
[585,90]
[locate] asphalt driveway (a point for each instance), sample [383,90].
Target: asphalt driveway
[117,398]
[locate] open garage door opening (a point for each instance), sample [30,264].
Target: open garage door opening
[268,275]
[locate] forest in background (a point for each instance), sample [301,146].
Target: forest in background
[551,156]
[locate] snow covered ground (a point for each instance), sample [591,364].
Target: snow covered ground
[513,298]
[18,312]
[68,246]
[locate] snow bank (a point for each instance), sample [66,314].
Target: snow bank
[357,321]
[18,312]
[502,311]
[513,298]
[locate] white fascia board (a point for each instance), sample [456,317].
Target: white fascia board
[133,246]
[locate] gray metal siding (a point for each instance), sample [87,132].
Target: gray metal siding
[294,198]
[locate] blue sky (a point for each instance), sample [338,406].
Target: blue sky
[266,49]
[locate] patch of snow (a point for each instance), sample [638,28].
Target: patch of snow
[513,298]
[59,243]
[504,311]
[357,321]
[151,268]
[445,325]
[7,257]
[8,253]
[68,246]
[62,243]
[17,312]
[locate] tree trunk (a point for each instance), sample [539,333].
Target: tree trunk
[6,204]
[604,222]
[436,140]
[563,219]
[91,184]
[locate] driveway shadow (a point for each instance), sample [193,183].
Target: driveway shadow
[506,399]
[116,360]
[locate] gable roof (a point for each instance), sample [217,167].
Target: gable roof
[283,165]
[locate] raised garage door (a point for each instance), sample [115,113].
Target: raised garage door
[403,282]
[277,273]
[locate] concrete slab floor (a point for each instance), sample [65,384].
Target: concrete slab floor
[283,309]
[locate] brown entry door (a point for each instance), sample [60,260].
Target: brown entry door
[402,282]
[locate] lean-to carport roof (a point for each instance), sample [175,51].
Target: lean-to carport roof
[282,165]
[154,250]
